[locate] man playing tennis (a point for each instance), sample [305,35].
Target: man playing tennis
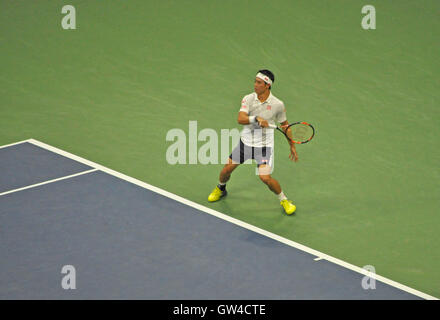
[258,110]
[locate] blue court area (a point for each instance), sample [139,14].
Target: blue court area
[127,242]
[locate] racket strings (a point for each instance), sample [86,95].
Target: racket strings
[301,132]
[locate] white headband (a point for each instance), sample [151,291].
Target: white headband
[264,78]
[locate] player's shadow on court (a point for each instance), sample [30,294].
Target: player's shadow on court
[252,206]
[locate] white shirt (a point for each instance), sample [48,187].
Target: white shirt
[271,110]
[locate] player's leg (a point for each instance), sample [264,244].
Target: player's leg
[225,174]
[264,158]
[264,171]
[238,156]
[220,190]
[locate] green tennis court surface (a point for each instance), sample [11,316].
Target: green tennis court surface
[366,188]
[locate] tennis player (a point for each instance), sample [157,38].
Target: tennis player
[258,110]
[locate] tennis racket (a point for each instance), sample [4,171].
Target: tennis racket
[302,132]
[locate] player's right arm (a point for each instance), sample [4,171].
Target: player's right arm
[244,118]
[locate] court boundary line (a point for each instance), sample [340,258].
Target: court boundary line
[235,221]
[13,144]
[48,181]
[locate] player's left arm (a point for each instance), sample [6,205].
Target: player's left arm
[284,124]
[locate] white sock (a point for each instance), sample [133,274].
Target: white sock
[222,184]
[281,196]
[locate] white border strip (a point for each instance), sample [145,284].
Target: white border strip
[13,144]
[318,258]
[48,181]
[245,225]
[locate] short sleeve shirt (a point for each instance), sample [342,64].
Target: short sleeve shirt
[272,110]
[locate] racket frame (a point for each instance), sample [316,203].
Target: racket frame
[292,124]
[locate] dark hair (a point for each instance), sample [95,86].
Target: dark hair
[269,74]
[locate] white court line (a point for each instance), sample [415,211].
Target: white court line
[235,221]
[13,144]
[48,181]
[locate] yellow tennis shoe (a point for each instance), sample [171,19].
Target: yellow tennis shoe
[216,194]
[288,206]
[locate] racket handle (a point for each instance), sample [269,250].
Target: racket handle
[273,126]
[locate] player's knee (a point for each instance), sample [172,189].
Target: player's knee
[264,170]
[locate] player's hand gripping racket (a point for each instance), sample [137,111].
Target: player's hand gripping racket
[302,132]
